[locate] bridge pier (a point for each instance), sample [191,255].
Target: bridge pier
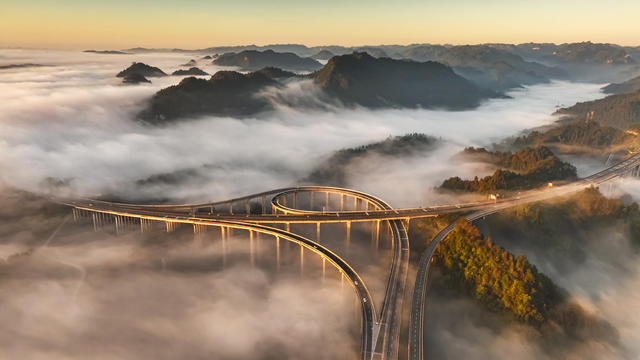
[277,253]
[342,196]
[375,234]
[247,206]
[348,232]
[251,249]
[301,260]
[324,268]
[311,199]
[318,232]
[287,227]
[295,199]
[95,221]
[326,200]
[223,241]
[118,224]
[145,225]
[231,208]
[355,203]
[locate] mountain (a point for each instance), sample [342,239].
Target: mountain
[106,52]
[525,169]
[191,62]
[372,50]
[192,71]
[334,170]
[276,73]
[323,55]
[590,53]
[584,133]
[142,69]
[619,111]
[254,60]
[628,86]
[19,66]
[487,66]
[227,93]
[134,78]
[362,80]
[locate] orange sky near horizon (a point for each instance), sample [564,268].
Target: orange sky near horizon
[119,24]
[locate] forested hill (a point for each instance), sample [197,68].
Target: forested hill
[525,169]
[619,111]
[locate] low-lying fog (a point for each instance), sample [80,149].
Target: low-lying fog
[72,120]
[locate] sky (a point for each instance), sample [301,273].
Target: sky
[118,24]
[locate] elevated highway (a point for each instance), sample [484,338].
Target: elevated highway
[380,331]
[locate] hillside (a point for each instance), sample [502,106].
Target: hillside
[134,78]
[628,86]
[502,282]
[619,111]
[227,93]
[525,169]
[360,79]
[253,60]
[142,69]
[194,71]
[487,66]
[557,230]
[334,170]
[323,55]
[584,133]
[590,53]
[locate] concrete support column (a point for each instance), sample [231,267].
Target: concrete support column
[287,227]
[118,221]
[326,200]
[375,232]
[355,203]
[295,200]
[324,268]
[348,232]
[301,260]
[251,248]
[277,253]
[247,206]
[318,232]
[312,196]
[223,237]
[342,202]
[95,222]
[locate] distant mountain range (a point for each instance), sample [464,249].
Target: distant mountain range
[253,60]
[107,52]
[488,67]
[496,67]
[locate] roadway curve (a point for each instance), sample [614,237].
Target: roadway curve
[416,325]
